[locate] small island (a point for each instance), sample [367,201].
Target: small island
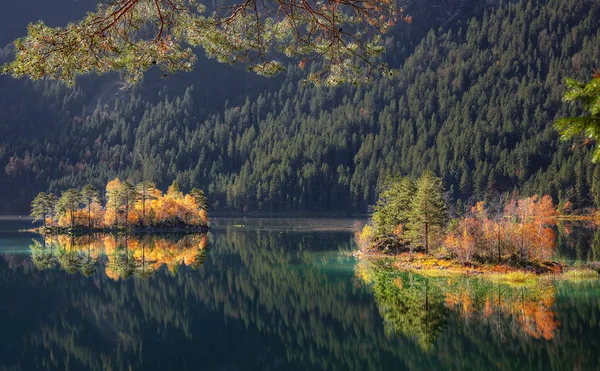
[415,228]
[128,208]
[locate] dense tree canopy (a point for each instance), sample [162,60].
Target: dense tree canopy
[474,103]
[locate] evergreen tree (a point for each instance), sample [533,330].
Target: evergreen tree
[113,199]
[145,192]
[69,203]
[89,195]
[394,206]
[428,209]
[42,206]
[200,198]
[128,195]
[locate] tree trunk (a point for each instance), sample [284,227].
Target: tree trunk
[522,236]
[126,213]
[426,238]
[499,256]
[116,218]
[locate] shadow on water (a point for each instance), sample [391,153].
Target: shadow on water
[274,299]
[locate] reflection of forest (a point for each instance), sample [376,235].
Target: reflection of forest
[121,256]
[578,240]
[418,307]
[264,300]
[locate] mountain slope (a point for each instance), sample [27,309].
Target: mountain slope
[474,102]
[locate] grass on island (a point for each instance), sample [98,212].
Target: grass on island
[510,272]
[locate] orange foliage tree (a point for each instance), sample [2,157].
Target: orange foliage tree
[127,207]
[523,230]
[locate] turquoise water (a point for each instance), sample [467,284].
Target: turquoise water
[272,294]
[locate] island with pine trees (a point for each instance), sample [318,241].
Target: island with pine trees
[415,227]
[127,208]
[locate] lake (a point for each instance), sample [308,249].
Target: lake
[274,294]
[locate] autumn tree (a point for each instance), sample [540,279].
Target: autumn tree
[497,218]
[42,206]
[463,242]
[69,203]
[89,195]
[428,209]
[131,36]
[173,209]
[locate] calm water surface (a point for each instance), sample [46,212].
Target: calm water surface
[272,294]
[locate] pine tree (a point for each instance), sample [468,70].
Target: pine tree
[200,198]
[428,209]
[42,206]
[69,203]
[145,192]
[394,206]
[89,195]
[113,198]
[128,195]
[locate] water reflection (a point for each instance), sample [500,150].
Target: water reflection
[578,241]
[120,256]
[274,300]
[418,307]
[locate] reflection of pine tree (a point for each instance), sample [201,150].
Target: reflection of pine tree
[68,257]
[88,262]
[411,307]
[123,262]
[200,258]
[143,269]
[42,255]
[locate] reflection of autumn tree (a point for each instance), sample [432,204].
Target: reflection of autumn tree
[417,307]
[144,255]
[123,256]
[528,306]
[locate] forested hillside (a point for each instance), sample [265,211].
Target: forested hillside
[474,102]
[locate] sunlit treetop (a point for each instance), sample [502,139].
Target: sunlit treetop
[344,37]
